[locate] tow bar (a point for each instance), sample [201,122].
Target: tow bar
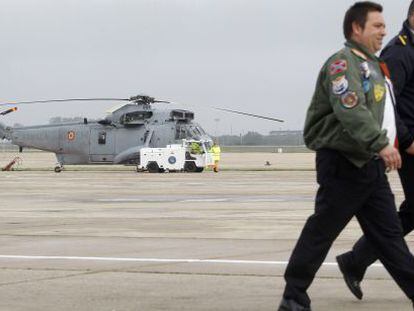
[9,167]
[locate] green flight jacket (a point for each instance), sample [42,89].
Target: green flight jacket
[347,108]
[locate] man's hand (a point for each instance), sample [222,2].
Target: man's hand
[410,150]
[391,157]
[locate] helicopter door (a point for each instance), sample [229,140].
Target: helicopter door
[102,145]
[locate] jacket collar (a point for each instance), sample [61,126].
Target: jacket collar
[406,31]
[361,49]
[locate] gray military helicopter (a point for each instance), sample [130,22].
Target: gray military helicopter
[115,139]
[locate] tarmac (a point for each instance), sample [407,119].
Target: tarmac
[109,238]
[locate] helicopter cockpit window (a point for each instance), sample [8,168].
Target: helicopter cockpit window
[200,130]
[136,117]
[180,132]
[190,132]
[102,138]
[196,131]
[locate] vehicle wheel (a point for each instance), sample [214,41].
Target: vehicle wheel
[153,167]
[190,166]
[58,169]
[200,169]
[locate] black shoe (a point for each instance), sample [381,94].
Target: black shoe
[351,280]
[291,305]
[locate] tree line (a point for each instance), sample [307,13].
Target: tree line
[276,138]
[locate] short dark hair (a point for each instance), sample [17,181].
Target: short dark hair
[358,13]
[411,9]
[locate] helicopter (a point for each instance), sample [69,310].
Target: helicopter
[115,139]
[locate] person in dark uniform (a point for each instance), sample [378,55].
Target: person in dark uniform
[351,124]
[399,56]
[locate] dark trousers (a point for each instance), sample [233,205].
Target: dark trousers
[346,191]
[363,253]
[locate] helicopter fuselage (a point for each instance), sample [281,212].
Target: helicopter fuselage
[117,139]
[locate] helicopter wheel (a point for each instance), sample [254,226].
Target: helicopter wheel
[190,166]
[58,169]
[153,167]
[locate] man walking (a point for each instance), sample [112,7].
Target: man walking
[399,56]
[351,125]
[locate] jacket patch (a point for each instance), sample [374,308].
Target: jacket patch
[366,85]
[338,67]
[379,92]
[340,85]
[349,100]
[365,71]
[403,39]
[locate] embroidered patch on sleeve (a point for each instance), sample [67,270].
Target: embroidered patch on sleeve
[349,100]
[340,85]
[338,67]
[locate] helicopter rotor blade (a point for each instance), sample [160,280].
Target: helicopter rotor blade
[62,100]
[249,114]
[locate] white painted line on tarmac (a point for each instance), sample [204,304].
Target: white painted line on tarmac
[161,260]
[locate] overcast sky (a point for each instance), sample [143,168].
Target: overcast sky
[259,56]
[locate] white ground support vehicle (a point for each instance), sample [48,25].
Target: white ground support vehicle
[177,157]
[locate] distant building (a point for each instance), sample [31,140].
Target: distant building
[286,133]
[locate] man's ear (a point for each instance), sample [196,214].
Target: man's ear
[411,20]
[356,29]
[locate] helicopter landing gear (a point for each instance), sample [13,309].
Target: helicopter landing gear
[58,168]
